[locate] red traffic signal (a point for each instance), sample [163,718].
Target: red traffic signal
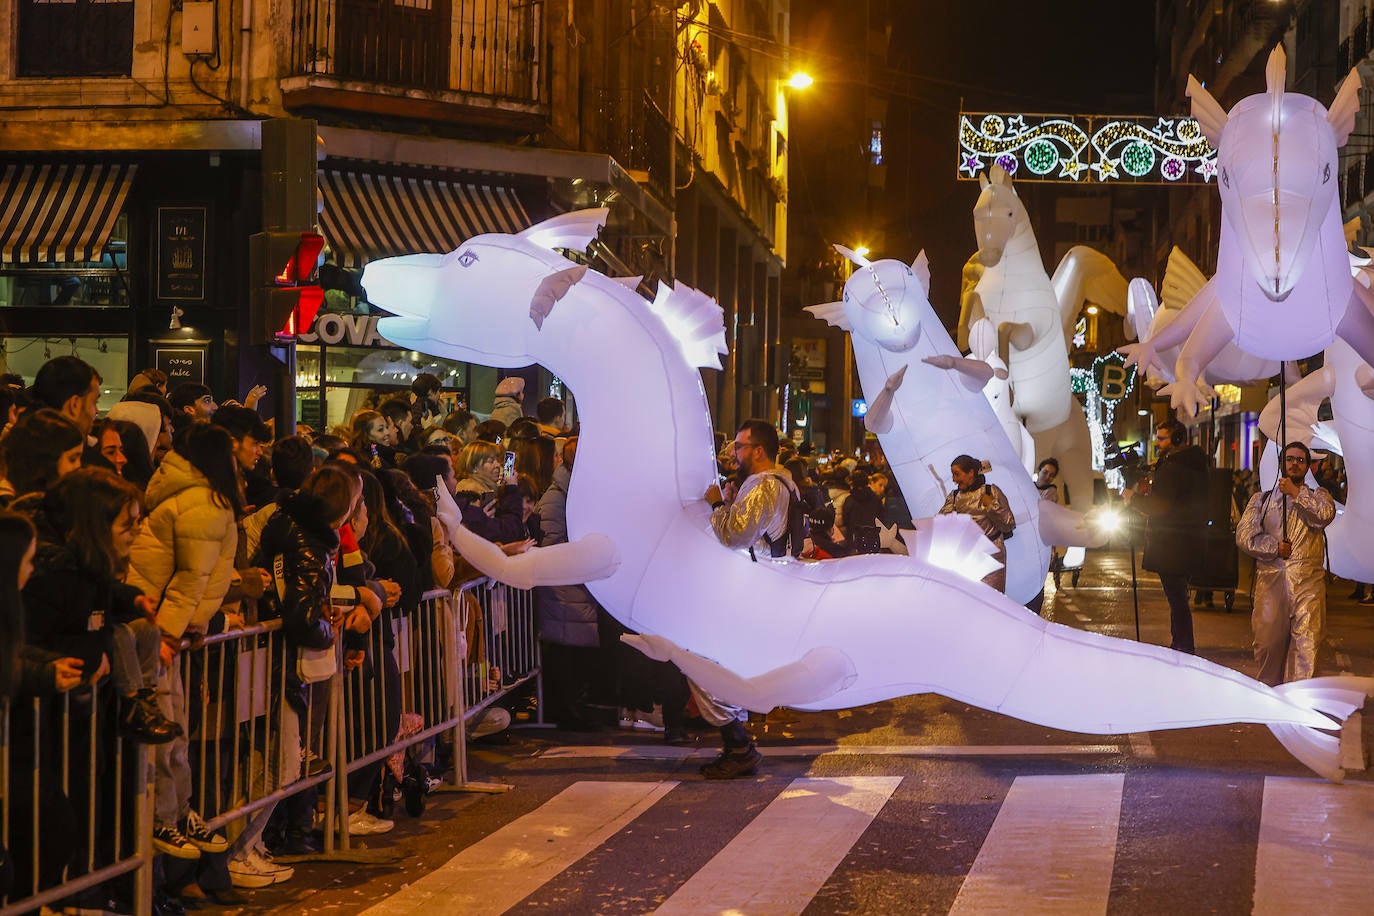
[304,260]
[283,301]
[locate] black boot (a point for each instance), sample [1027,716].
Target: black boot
[141,720]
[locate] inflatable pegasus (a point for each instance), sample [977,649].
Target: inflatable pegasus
[1348,382]
[1151,318]
[772,633]
[1035,315]
[1283,289]
[927,406]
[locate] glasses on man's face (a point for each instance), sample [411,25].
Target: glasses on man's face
[1298,458]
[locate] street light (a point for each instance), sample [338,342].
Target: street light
[800,80]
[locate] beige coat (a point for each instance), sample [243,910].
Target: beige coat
[184,556]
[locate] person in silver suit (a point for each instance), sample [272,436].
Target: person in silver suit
[1282,529]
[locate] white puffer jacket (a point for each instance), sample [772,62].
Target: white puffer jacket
[185,552]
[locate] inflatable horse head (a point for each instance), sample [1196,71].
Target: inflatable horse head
[884,300]
[997,216]
[1277,171]
[459,321]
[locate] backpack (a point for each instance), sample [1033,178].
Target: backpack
[793,540]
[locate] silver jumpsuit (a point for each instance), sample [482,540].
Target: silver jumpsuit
[1290,594]
[995,521]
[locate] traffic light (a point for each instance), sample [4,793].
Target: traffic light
[285,297]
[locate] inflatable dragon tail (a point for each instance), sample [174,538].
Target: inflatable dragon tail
[1337,697]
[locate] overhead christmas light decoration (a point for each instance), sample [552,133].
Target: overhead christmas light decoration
[1103,387]
[1071,148]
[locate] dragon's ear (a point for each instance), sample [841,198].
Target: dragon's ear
[1344,107]
[1208,113]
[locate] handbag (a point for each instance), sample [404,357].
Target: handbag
[315,665]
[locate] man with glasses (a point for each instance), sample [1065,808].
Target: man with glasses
[1176,511]
[751,515]
[1283,530]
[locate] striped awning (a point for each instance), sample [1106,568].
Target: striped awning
[60,212]
[368,216]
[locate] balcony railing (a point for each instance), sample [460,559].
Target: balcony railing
[490,48]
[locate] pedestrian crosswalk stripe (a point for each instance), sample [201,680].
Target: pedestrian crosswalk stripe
[669,752]
[1051,849]
[776,864]
[1316,848]
[499,871]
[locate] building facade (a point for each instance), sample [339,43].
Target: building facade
[132,170]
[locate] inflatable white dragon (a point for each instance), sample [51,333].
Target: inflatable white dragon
[927,406]
[823,635]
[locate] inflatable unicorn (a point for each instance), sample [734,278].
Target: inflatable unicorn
[763,634]
[1035,316]
[927,406]
[1283,288]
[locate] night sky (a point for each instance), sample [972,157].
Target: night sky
[1078,55]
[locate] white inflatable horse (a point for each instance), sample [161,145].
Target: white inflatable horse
[761,634]
[1035,315]
[1283,289]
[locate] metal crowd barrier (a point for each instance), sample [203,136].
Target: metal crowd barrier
[451,658]
[72,791]
[443,666]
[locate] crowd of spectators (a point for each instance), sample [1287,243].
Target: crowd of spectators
[126,539]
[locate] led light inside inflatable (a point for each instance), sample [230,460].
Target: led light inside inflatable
[809,635]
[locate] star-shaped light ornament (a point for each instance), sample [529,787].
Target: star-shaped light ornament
[1207,168]
[1164,127]
[1016,125]
[1070,169]
[1105,168]
[971,164]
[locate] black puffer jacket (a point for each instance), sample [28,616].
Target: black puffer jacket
[1176,509]
[69,608]
[299,534]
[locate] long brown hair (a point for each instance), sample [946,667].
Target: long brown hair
[82,508]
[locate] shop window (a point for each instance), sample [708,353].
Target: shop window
[109,355]
[332,382]
[75,38]
[85,283]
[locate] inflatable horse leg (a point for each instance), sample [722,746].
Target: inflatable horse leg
[1064,527]
[1357,327]
[820,673]
[587,559]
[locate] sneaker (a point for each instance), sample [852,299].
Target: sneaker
[639,720]
[733,764]
[173,842]
[494,719]
[361,823]
[257,870]
[202,837]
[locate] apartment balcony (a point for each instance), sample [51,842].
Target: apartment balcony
[472,62]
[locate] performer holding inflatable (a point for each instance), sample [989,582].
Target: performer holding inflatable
[754,517]
[1282,530]
[987,505]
